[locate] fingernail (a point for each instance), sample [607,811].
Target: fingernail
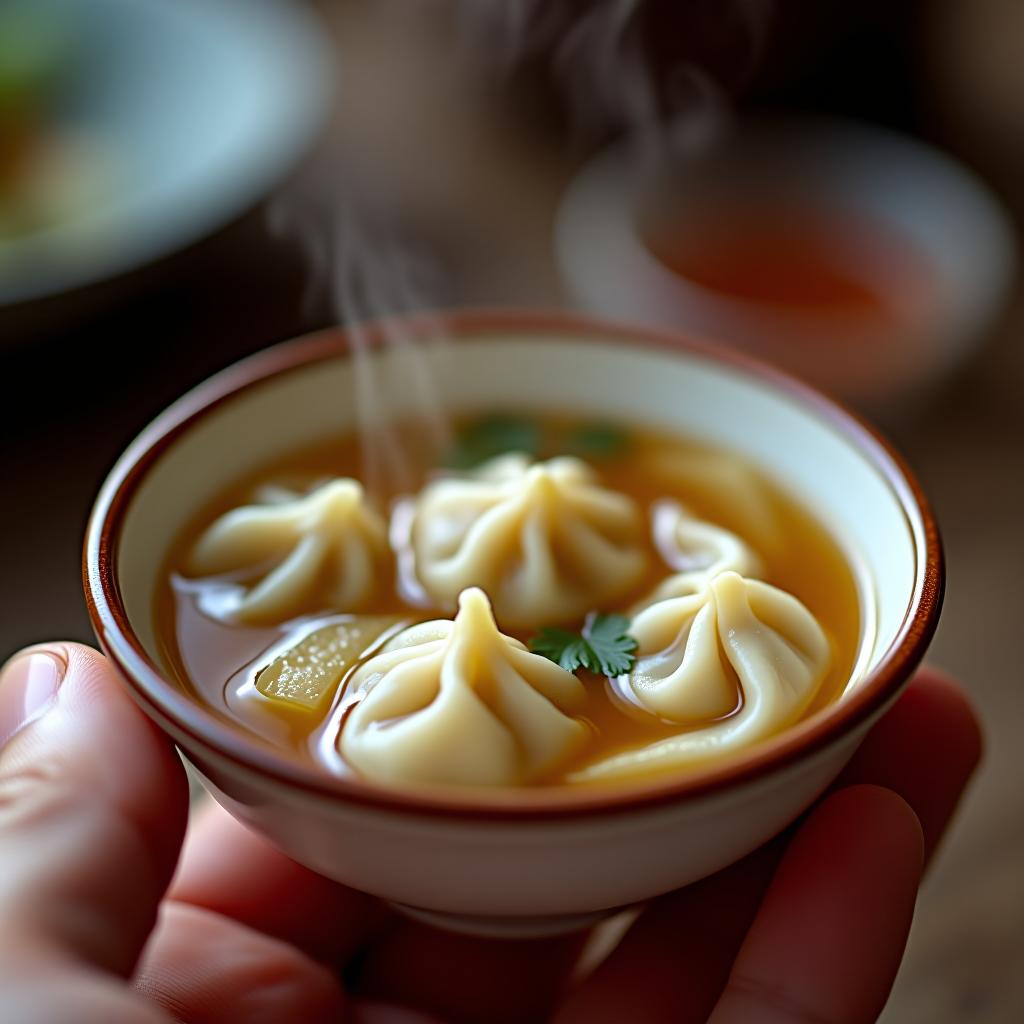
[28,686]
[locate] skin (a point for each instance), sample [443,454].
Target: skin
[114,909]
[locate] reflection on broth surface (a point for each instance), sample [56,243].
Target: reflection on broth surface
[667,510]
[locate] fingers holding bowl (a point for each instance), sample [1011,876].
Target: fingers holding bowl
[678,953]
[203,968]
[683,945]
[229,870]
[830,933]
[925,749]
[93,802]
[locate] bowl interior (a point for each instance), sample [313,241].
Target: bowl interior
[832,466]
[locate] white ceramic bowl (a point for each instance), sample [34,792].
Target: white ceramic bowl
[521,861]
[193,108]
[865,174]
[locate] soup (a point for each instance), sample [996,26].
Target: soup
[601,579]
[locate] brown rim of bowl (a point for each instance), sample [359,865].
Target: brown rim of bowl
[169,704]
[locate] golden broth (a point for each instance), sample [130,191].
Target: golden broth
[216,661]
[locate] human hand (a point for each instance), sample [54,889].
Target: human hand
[812,927]
[93,807]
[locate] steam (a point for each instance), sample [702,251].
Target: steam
[369,272]
[603,67]
[367,267]
[604,73]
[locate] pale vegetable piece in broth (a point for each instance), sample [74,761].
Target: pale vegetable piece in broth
[327,549]
[306,674]
[545,540]
[458,702]
[737,662]
[697,550]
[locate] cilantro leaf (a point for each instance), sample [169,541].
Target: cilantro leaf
[562,646]
[611,644]
[603,647]
[491,436]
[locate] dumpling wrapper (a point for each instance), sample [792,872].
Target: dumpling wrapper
[545,540]
[719,477]
[457,702]
[328,541]
[699,550]
[691,652]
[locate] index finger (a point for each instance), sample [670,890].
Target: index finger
[829,936]
[925,749]
[231,870]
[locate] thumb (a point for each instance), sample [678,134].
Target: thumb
[93,803]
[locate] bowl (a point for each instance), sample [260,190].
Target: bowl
[932,244]
[520,861]
[182,115]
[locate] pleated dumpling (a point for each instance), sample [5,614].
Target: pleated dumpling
[697,550]
[458,702]
[720,477]
[545,540]
[326,547]
[736,662]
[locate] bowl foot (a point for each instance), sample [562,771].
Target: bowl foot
[506,927]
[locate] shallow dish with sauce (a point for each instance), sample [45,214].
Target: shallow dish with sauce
[750,573]
[866,262]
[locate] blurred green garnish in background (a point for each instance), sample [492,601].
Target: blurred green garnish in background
[597,441]
[490,436]
[34,51]
[500,433]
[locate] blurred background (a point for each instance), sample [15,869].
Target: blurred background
[833,186]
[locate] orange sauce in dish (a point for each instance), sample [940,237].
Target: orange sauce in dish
[795,258]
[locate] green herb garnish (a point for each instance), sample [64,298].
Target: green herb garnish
[498,434]
[597,441]
[491,436]
[603,646]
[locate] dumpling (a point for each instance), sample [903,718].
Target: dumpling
[328,542]
[739,648]
[545,540]
[698,550]
[458,702]
[717,476]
